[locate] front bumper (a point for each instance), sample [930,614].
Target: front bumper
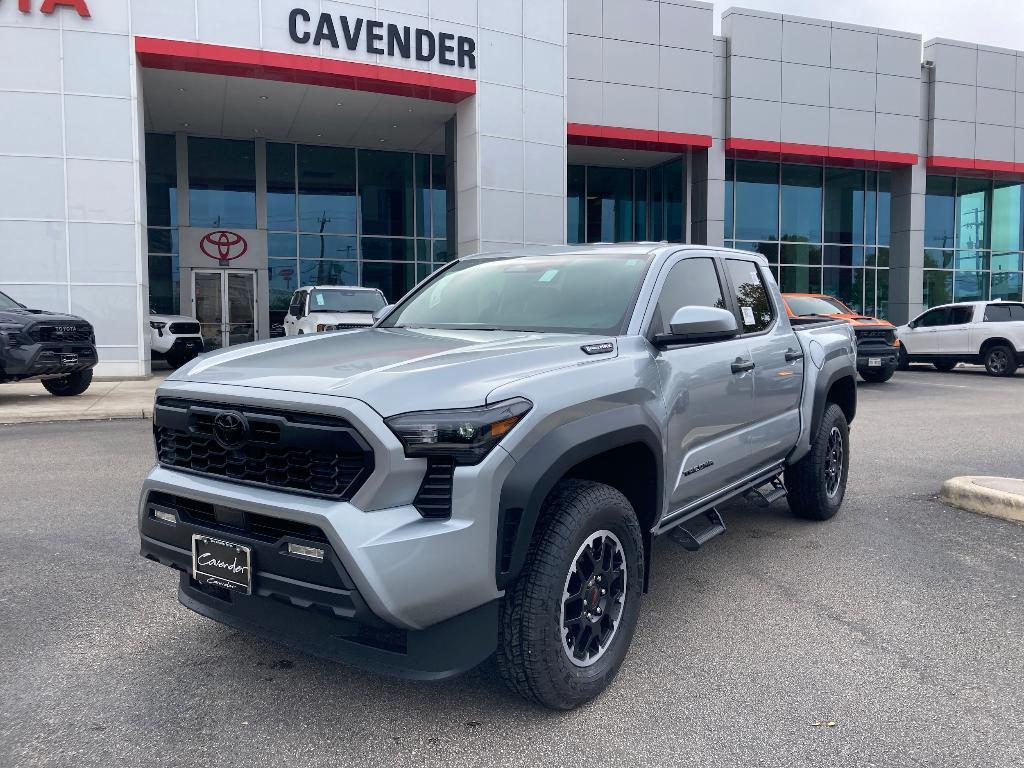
[46,359]
[397,592]
[186,346]
[888,356]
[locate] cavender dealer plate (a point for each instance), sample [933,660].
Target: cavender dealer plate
[221,563]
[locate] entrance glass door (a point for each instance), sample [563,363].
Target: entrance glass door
[224,303]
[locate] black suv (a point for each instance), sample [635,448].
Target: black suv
[36,344]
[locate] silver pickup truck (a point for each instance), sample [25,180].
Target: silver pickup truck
[484,470]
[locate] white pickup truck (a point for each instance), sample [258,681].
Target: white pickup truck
[987,332]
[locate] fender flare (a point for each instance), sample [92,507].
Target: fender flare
[545,463]
[821,390]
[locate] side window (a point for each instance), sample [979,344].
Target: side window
[1017,312]
[756,311]
[691,282]
[298,301]
[961,315]
[934,317]
[997,313]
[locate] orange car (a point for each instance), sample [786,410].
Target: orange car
[877,346]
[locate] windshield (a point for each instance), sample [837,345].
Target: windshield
[340,300]
[564,293]
[6,302]
[816,305]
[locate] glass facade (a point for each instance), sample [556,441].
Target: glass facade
[973,240]
[613,205]
[823,229]
[333,215]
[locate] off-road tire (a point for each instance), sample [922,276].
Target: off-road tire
[70,385]
[945,365]
[904,359]
[876,375]
[176,359]
[531,657]
[807,481]
[1000,360]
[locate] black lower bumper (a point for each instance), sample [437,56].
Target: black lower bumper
[889,358]
[185,347]
[438,652]
[28,361]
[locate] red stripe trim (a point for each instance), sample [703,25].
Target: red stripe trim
[634,138]
[294,68]
[789,150]
[975,166]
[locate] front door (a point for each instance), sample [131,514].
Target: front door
[954,338]
[224,303]
[922,337]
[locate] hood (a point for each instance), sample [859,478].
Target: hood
[394,370]
[861,320]
[343,318]
[33,316]
[172,318]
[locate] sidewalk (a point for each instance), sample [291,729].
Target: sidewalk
[995,496]
[29,402]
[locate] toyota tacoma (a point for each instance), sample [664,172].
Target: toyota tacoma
[57,349]
[484,470]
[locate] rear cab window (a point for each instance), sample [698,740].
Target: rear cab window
[751,294]
[1004,313]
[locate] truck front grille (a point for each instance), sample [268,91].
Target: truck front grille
[876,335]
[302,453]
[61,334]
[181,329]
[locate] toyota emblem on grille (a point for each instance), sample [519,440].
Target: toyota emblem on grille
[230,429]
[224,246]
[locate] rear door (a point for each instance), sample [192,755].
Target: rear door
[954,338]
[778,362]
[707,405]
[1000,319]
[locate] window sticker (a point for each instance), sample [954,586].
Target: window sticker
[632,262]
[319,299]
[748,316]
[548,276]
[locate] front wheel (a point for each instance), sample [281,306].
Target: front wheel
[567,622]
[817,483]
[70,385]
[1000,360]
[876,375]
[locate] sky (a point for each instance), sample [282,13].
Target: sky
[992,22]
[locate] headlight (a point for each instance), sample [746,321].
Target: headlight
[158,327]
[10,332]
[465,434]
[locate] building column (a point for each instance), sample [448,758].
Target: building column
[707,209]
[906,251]
[510,169]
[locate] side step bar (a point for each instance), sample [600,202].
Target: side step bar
[692,541]
[765,498]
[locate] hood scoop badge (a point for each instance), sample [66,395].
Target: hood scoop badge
[602,348]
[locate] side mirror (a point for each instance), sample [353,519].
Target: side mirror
[692,325]
[380,313]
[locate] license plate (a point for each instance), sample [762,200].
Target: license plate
[221,563]
[874,362]
[69,360]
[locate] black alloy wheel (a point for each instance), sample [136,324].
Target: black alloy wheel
[593,599]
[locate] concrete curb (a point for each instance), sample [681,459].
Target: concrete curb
[1001,497]
[97,415]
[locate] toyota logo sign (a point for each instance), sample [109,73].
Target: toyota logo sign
[224,246]
[230,429]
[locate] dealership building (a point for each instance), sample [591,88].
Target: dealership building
[207,157]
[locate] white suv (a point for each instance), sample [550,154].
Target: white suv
[986,332]
[317,308]
[174,338]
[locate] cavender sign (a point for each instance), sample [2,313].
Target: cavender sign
[383,39]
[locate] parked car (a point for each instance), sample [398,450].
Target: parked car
[494,458]
[987,332]
[318,308]
[56,348]
[174,338]
[877,345]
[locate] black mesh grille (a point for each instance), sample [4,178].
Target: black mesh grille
[304,453]
[182,328]
[887,336]
[61,333]
[434,498]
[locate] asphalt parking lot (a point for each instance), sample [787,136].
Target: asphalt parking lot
[901,622]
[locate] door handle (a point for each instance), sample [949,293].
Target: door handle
[742,366]
[792,355]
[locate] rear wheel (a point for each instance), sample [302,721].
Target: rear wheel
[817,483]
[876,375]
[945,365]
[70,385]
[1000,360]
[567,622]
